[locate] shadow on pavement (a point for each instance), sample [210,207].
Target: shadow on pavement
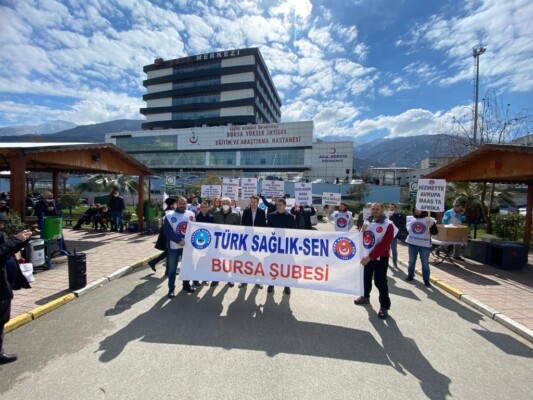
[270,328]
[404,355]
[138,293]
[506,343]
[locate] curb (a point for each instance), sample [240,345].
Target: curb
[37,312]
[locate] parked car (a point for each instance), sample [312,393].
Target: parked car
[297,179]
[319,180]
[273,178]
[356,182]
[317,203]
[522,211]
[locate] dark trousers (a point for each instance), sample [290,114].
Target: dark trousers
[378,270]
[5,314]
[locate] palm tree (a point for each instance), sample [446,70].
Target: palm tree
[107,183]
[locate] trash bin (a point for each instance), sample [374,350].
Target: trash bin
[35,252]
[52,228]
[507,255]
[77,271]
[478,250]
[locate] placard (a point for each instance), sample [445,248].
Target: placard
[272,188]
[303,194]
[430,195]
[248,187]
[331,199]
[230,188]
[211,191]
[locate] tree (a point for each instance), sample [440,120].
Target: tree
[358,192]
[107,183]
[69,200]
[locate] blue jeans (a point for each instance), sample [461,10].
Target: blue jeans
[394,250]
[414,250]
[116,220]
[174,255]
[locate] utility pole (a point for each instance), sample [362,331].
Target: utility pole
[476,52]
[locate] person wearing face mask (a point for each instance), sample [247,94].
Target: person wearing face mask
[226,216]
[175,228]
[455,216]
[116,206]
[87,218]
[46,207]
[161,242]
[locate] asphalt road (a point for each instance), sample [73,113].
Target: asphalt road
[126,340]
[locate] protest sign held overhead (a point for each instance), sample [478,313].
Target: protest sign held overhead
[430,195]
[248,187]
[230,188]
[331,199]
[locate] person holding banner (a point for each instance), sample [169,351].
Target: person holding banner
[161,242]
[378,233]
[226,216]
[280,219]
[253,216]
[175,226]
[419,228]
[302,215]
[455,216]
[343,219]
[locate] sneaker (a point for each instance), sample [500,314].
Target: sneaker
[231,284]
[171,294]
[214,283]
[205,283]
[427,283]
[241,285]
[196,283]
[257,285]
[270,289]
[382,313]
[361,300]
[409,278]
[287,290]
[189,289]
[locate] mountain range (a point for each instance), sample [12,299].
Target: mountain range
[368,151]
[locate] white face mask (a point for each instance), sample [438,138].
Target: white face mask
[225,207]
[49,200]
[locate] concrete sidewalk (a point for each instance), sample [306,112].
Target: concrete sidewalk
[504,295]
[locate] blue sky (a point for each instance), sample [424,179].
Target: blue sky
[365,68]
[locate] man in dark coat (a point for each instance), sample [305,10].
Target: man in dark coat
[303,216]
[280,219]
[116,206]
[46,207]
[8,247]
[253,216]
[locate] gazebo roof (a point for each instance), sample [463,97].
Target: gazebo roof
[73,158]
[495,163]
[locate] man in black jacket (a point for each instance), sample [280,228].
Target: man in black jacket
[271,206]
[280,219]
[9,246]
[253,216]
[116,206]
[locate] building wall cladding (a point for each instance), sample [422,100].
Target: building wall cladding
[210,89]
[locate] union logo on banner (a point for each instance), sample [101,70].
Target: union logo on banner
[182,228]
[368,239]
[200,239]
[344,248]
[418,228]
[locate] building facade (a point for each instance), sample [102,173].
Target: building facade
[219,88]
[282,149]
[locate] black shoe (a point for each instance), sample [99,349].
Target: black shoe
[257,285]
[427,283]
[196,284]
[76,228]
[113,229]
[152,265]
[409,278]
[121,230]
[382,313]
[214,283]
[189,289]
[7,358]
[241,285]
[270,289]
[205,283]
[231,284]
[171,294]
[287,290]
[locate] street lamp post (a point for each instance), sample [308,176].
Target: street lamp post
[476,52]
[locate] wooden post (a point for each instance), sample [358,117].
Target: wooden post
[529,209]
[17,185]
[140,208]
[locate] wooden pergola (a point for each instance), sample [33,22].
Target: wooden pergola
[105,158]
[495,163]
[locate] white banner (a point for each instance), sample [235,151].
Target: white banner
[430,195]
[230,188]
[272,188]
[211,191]
[328,261]
[303,193]
[332,199]
[249,187]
